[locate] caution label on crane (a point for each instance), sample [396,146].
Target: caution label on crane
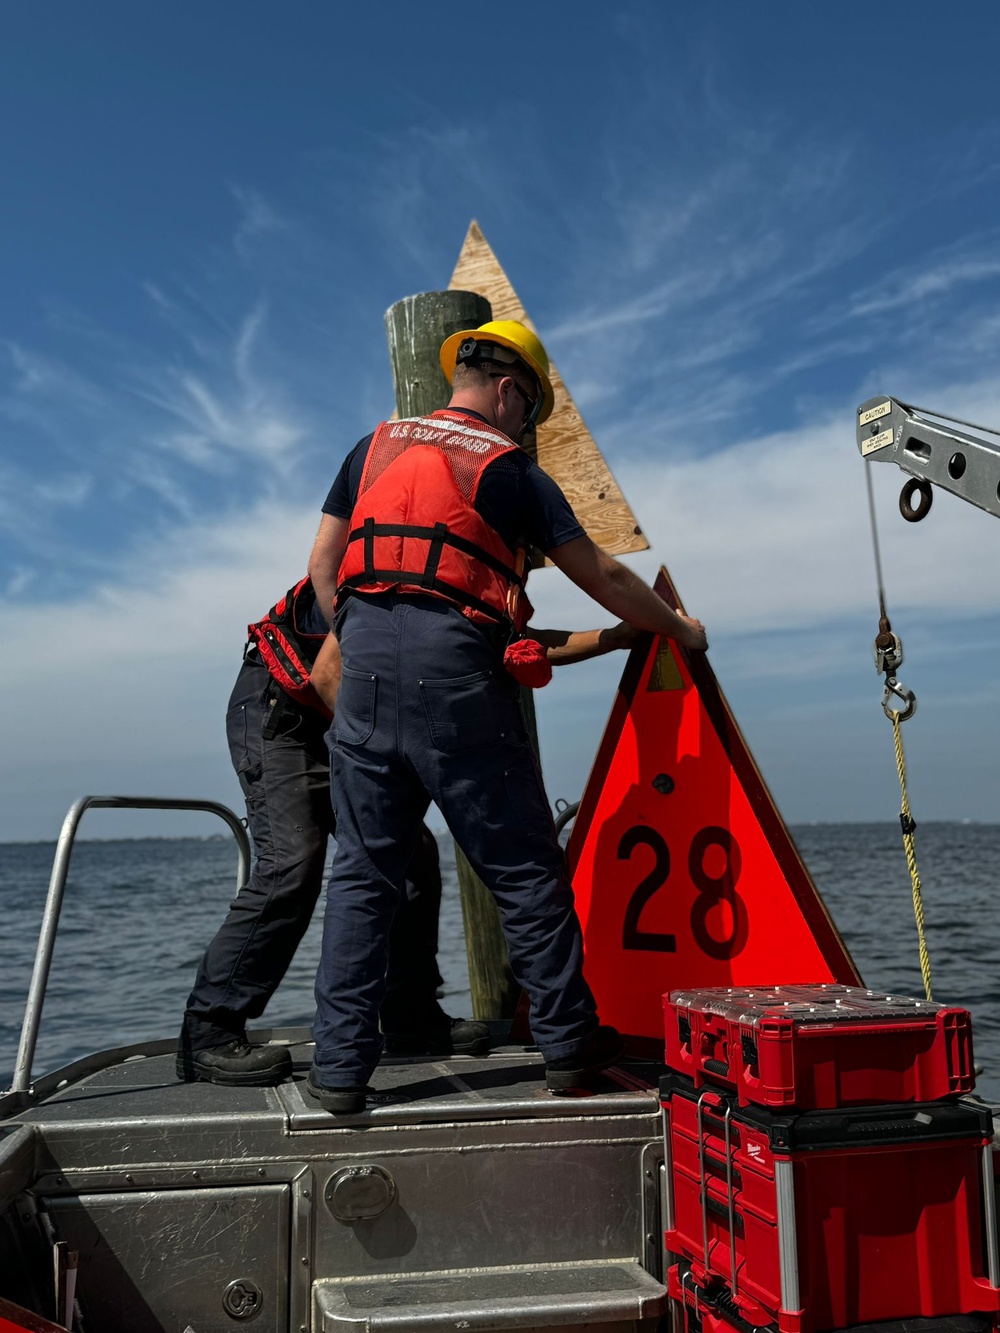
[683,869]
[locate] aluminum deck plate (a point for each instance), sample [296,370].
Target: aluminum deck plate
[406,1090]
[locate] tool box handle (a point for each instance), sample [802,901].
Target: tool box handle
[730,1211]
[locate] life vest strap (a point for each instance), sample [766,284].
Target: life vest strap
[413,578]
[438,536]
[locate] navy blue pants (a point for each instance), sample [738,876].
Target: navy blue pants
[426,710]
[280,755]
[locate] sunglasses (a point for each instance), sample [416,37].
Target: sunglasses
[532,406]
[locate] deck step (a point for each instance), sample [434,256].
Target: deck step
[530,1296]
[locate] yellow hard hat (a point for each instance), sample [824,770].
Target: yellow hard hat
[509,333]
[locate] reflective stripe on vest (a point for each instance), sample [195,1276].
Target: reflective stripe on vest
[414,526]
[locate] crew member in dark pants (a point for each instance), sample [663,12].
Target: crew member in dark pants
[276,724]
[276,734]
[422,543]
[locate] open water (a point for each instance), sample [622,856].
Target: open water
[138,914]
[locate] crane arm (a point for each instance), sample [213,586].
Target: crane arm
[889,431]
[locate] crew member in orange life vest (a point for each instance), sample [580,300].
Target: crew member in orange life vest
[276,724]
[419,544]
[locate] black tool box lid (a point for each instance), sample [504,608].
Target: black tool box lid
[851,1127]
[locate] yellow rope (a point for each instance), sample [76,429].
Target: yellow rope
[911,857]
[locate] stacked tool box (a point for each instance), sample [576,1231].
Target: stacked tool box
[824,1169]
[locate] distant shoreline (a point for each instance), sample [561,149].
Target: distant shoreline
[152,837]
[799,824]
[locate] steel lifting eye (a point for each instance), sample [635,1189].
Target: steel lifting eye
[913,513]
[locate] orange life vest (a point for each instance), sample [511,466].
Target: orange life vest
[414,525]
[287,651]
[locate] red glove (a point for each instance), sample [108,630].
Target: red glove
[527,662]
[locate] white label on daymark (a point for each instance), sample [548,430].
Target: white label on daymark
[874,413]
[876,442]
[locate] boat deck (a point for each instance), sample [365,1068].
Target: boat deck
[405,1090]
[466,1195]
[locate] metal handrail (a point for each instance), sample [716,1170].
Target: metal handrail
[57,887]
[565,811]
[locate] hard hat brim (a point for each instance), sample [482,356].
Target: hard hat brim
[449,356]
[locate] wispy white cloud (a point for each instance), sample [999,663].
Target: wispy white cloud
[132,417]
[214,429]
[134,628]
[39,380]
[227,406]
[138,668]
[700,269]
[258,217]
[934,278]
[31,508]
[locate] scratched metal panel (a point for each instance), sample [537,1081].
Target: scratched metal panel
[164,1260]
[465,1208]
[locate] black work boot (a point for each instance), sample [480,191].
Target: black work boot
[599,1048]
[441,1036]
[235,1064]
[338,1101]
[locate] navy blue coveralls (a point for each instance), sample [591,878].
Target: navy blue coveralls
[426,709]
[279,752]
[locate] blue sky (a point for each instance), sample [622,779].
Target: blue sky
[730,223]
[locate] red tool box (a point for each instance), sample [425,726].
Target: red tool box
[829,1219]
[819,1047]
[713,1310]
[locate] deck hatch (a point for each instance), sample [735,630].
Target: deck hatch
[166,1259]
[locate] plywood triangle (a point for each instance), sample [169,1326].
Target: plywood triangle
[683,870]
[566,449]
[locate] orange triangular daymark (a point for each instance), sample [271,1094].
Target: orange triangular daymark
[683,869]
[566,449]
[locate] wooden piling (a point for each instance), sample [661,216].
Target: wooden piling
[416,328]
